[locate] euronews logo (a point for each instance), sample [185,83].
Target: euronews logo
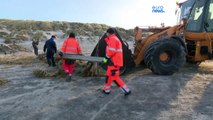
[158,9]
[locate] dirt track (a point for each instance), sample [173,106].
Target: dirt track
[186,95]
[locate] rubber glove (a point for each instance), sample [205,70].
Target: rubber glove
[105,60]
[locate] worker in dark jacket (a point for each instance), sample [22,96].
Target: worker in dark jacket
[50,49]
[35,46]
[114,60]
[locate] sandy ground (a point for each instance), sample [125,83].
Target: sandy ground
[185,95]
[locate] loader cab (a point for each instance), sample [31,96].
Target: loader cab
[197,17]
[208,24]
[183,10]
[199,31]
[201,17]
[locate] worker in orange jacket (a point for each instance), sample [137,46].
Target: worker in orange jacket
[114,60]
[71,46]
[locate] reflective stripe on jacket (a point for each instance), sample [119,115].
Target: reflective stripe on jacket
[114,50]
[71,45]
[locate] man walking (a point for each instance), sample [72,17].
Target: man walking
[71,46]
[35,46]
[114,60]
[50,49]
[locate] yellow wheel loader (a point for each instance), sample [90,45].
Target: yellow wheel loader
[165,50]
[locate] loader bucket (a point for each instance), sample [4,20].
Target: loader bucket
[100,48]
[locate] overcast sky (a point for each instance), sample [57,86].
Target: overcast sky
[121,13]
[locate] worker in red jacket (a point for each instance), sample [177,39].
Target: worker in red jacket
[71,46]
[114,60]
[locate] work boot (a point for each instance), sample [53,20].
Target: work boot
[54,65]
[106,89]
[69,78]
[127,93]
[106,92]
[49,62]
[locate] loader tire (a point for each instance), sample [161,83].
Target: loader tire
[165,56]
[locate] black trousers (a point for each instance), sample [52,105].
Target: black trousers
[35,50]
[50,57]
